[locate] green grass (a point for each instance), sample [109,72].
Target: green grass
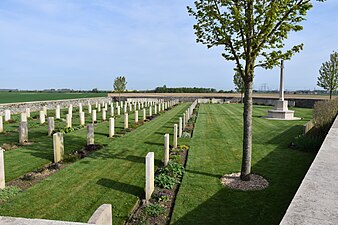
[216,150]
[11,97]
[113,175]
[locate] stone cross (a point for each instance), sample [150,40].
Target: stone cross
[7,115]
[281,88]
[149,189]
[23,132]
[125,120]
[51,125]
[166,149]
[58,147]
[42,117]
[82,118]
[111,127]
[90,134]
[1,125]
[2,169]
[175,136]
[58,112]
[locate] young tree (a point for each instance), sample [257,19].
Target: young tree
[252,34]
[239,84]
[328,78]
[120,85]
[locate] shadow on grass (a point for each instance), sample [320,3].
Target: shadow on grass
[122,187]
[204,174]
[152,143]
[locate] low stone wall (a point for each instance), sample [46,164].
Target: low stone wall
[316,201]
[102,216]
[37,106]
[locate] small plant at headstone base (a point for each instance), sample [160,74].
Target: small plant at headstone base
[154,210]
[175,158]
[9,192]
[184,147]
[162,196]
[28,177]
[307,143]
[165,181]
[70,158]
[173,169]
[186,135]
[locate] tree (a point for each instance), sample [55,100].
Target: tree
[252,34]
[328,78]
[120,85]
[239,84]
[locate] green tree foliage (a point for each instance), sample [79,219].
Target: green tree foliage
[120,85]
[328,78]
[252,34]
[239,84]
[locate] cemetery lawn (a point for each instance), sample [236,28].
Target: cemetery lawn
[113,175]
[12,97]
[216,150]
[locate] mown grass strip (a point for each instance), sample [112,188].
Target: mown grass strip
[216,149]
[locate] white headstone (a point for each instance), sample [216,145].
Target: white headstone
[1,125]
[90,134]
[23,132]
[118,110]
[58,147]
[2,169]
[82,118]
[44,109]
[69,120]
[149,189]
[136,116]
[180,127]
[42,117]
[28,112]
[111,127]
[23,117]
[93,116]
[166,149]
[90,109]
[175,136]
[58,112]
[51,125]
[7,115]
[125,120]
[144,114]
[104,114]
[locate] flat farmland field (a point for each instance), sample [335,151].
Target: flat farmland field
[12,97]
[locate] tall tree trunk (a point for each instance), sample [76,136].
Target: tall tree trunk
[247,137]
[330,94]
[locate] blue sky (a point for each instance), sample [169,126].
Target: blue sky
[83,44]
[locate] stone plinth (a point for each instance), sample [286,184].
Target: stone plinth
[281,112]
[166,149]
[2,169]
[58,147]
[23,132]
[111,127]
[90,134]
[51,126]
[149,189]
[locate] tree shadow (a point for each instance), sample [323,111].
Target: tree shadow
[122,187]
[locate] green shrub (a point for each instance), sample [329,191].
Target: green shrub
[324,113]
[308,143]
[173,169]
[9,192]
[165,181]
[176,158]
[154,210]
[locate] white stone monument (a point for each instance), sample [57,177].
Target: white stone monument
[2,169]
[51,125]
[125,120]
[58,147]
[7,115]
[42,117]
[82,118]
[1,125]
[175,136]
[58,112]
[166,149]
[23,132]
[111,127]
[180,128]
[281,111]
[149,189]
[90,134]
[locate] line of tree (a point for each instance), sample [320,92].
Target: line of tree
[328,78]
[165,89]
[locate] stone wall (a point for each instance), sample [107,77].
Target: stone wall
[316,201]
[37,106]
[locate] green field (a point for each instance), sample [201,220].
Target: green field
[11,97]
[216,150]
[113,175]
